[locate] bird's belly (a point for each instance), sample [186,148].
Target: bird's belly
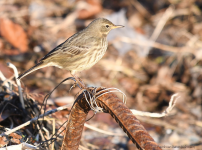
[88,61]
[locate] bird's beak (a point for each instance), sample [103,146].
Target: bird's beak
[116,26]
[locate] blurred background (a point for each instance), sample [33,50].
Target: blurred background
[157,54]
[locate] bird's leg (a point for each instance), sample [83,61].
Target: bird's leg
[80,82]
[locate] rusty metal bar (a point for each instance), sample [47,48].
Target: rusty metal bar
[75,124]
[119,111]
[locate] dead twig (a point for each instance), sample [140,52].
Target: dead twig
[160,26]
[18,83]
[34,119]
[20,146]
[3,78]
[102,131]
[172,103]
[157,45]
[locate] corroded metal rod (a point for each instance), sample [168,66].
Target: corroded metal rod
[118,110]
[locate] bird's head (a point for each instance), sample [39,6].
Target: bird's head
[103,26]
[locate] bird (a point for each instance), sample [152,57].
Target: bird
[80,51]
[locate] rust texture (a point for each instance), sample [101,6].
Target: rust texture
[127,121]
[75,124]
[119,111]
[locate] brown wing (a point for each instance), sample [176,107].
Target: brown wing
[72,47]
[52,52]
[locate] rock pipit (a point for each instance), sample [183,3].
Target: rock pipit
[81,51]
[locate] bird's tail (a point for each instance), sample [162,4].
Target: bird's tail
[36,67]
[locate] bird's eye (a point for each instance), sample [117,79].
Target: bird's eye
[107,26]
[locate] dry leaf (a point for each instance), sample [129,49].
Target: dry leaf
[14,34]
[93,8]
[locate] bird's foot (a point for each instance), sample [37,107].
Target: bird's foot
[80,82]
